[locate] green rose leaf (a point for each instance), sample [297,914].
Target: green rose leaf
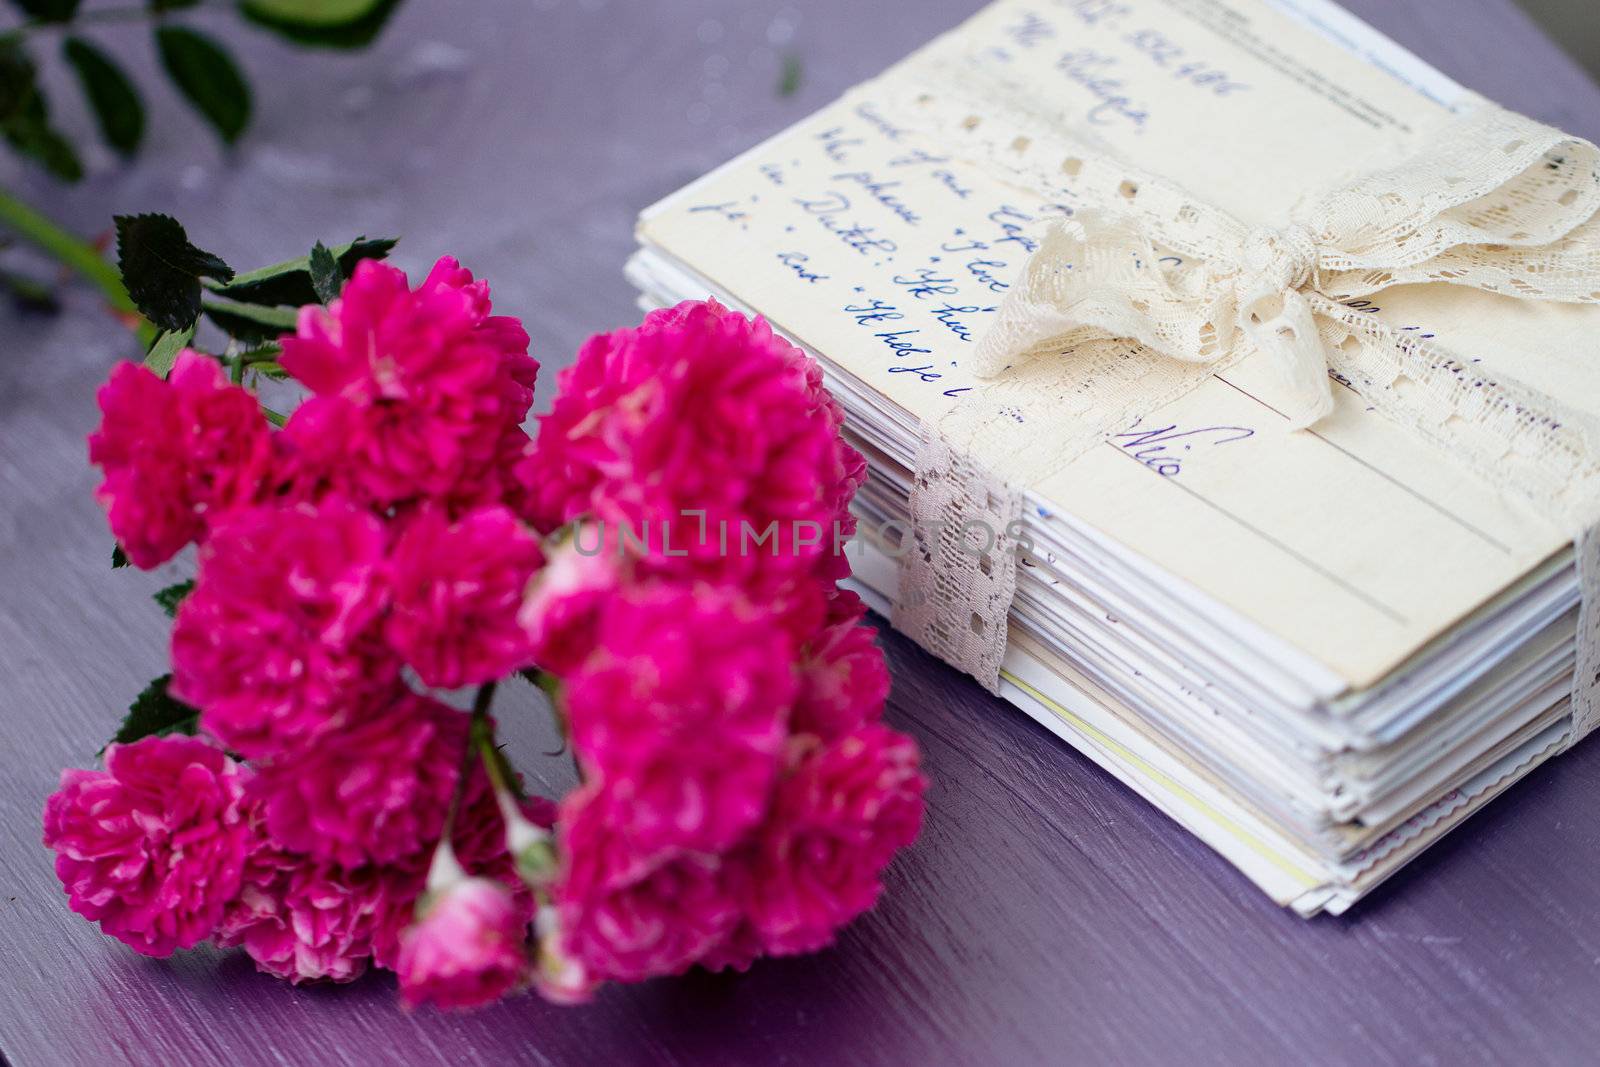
[115,102]
[326,278]
[165,351]
[271,370]
[119,558]
[251,323]
[289,284]
[206,74]
[322,23]
[162,270]
[170,597]
[49,10]
[156,713]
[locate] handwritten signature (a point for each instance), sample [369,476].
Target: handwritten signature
[1166,449]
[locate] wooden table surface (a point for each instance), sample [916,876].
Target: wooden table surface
[1047,915]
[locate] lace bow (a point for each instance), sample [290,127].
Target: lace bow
[1494,201]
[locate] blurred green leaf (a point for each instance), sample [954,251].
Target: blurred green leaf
[48,10]
[119,558]
[33,136]
[289,283]
[112,97]
[25,115]
[206,74]
[162,270]
[314,12]
[322,23]
[171,5]
[326,277]
[17,79]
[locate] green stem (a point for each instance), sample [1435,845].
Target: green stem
[72,251]
[467,753]
[482,702]
[483,740]
[263,354]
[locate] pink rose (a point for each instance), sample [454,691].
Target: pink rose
[153,847]
[844,679]
[708,437]
[626,918]
[178,454]
[416,393]
[309,920]
[279,641]
[566,602]
[467,948]
[375,791]
[840,814]
[456,592]
[682,712]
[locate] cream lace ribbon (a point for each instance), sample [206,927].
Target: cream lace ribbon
[1490,200]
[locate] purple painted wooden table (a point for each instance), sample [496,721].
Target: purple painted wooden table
[1047,914]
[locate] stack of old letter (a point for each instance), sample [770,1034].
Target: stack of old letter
[1317,638]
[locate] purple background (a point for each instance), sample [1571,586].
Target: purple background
[1046,915]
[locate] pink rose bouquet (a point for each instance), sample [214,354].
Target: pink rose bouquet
[303,786]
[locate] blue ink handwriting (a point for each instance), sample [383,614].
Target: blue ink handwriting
[926,282]
[1165,450]
[873,312]
[859,238]
[879,191]
[1093,70]
[796,261]
[949,316]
